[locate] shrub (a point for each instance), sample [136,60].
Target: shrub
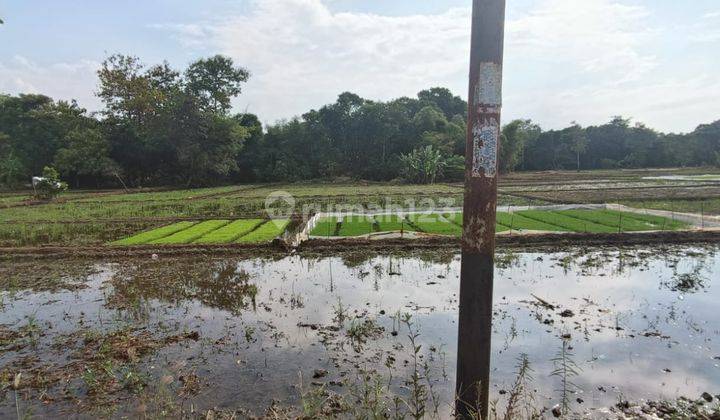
[49,185]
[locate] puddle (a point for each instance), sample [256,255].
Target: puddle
[187,335]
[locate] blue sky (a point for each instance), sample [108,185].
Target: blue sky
[656,61]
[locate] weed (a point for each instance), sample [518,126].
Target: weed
[520,393]
[360,331]
[340,313]
[249,333]
[565,369]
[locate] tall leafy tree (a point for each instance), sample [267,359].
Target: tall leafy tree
[215,81]
[85,153]
[578,140]
[516,137]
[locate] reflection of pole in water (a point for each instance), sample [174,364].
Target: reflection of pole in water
[478,243]
[332,285]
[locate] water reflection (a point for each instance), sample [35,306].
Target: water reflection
[631,324]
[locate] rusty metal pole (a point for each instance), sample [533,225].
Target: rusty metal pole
[478,242]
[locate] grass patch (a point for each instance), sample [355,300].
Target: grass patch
[191,234]
[516,221]
[326,226]
[625,222]
[357,226]
[658,222]
[265,233]
[435,224]
[154,235]
[162,195]
[231,232]
[393,223]
[457,218]
[566,222]
[707,207]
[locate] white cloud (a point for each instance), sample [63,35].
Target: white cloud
[706,30]
[598,36]
[565,60]
[302,55]
[63,80]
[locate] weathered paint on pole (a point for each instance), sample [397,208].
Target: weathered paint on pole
[478,241]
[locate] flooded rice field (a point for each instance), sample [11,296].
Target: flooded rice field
[181,336]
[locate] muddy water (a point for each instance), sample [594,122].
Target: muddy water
[638,324]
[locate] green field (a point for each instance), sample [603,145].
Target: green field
[155,234]
[96,217]
[516,221]
[393,223]
[567,223]
[434,224]
[231,232]
[265,233]
[191,234]
[217,232]
[357,226]
[580,221]
[326,226]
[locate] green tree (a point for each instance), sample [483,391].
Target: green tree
[516,136]
[443,99]
[706,139]
[215,80]
[85,153]
[11,168]
[205,145]
[575,135]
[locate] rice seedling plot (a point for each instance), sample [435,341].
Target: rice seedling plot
[155,234]
[393,223]
[326,226]
[357,226]
[231,232]
[435,224]
[624,222]
[265,233]
[516,221]
[457,219]
[657,222]
[191,234]
[566,222]
[589,221]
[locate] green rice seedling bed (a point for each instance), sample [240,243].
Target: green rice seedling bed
[191,234]
[457,218]
[231,232]
[326,226]
[619,222]
[658,222]
[393,223]
[155,234]
[357,226]
[516,221]
[265,233]
[569,223]
[435,224]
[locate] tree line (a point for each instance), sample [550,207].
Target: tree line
[160,126]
